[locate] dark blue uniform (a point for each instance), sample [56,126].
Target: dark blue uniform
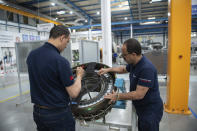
[49,74]
[150,108]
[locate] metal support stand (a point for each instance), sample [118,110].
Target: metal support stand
[104,120]
[21,101]
[19,78]
[116,125]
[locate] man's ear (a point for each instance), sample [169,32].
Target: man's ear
[62,37]
[134,54]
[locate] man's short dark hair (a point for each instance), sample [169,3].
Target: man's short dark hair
[59,30]
[133,46]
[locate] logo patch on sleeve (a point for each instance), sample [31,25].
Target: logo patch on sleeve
[71,77]
[145,80]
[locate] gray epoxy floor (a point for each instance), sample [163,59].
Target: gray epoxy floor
[19,118]
[9,86]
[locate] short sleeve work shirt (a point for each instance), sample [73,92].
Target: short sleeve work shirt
[49,74]
[145,74]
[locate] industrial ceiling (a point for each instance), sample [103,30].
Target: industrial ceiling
[145,15]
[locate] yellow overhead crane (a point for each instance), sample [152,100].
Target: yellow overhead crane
[14,10]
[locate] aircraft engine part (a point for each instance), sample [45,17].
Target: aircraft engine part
[90,104]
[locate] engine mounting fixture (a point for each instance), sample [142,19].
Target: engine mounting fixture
[90,103]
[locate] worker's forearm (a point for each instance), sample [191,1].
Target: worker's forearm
[77,85]
[129,96]
[74,90]
[119,70]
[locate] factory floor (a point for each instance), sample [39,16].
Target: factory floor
[16,112]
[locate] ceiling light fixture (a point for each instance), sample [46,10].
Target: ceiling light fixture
[71,12]
[151,22]
[150,18]
[1,2]
[98,13]
[154,1]
[120,5]
[125,18]
[53,4]
[61,12]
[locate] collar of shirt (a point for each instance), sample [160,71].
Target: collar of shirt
[52,46]
[139,62]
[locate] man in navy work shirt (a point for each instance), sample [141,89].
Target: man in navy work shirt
[52,84]
[144,87]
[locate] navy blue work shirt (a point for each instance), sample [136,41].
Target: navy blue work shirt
[49,74]
[145,74]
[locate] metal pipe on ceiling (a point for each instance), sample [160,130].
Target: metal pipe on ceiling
[120,23]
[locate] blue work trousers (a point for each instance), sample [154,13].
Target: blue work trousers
[149,119]
[59,119]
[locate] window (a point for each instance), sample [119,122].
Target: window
[37,21]
[10,16]
[25,19]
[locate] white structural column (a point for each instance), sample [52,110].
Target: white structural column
[131,35]
[106,31]
[90,31]
[90,34]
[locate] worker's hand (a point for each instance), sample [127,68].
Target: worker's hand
[112,96]
[103,71]
[80,71]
